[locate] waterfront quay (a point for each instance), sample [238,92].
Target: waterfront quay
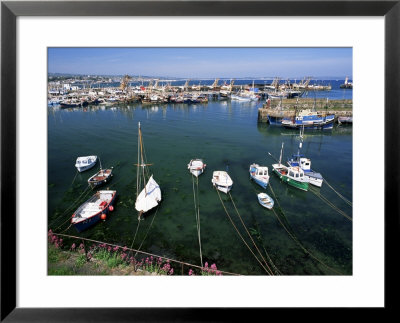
[287,108]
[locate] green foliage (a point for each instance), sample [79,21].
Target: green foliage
[80,261]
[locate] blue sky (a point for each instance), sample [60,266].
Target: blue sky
[204,62]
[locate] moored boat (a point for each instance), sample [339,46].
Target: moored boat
[304,163]
[150,196]
[294,176]
[196,167]
[309,120]
[85,162]
[259,174]
[222,181]
[93,210]
[101,177]
[314,178]
[265,200]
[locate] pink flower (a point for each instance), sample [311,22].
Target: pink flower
[73,246]
[124,249]
[171,272]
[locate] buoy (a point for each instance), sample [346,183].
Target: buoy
[103,216]
[111,208]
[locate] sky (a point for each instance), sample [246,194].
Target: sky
[203,62]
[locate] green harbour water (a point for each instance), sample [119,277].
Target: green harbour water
[228,137]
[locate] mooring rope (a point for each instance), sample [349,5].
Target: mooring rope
[295,239]
[148,229]
[269,258]
[324,199]
[69,209]
[340,195]
[226,211]
[197,215]
[248,233]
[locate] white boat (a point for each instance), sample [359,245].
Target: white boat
[259,174]
[196,167]
[85,163]
[265,200]
[93,210]
[222,181]
[150,196]
[304,163]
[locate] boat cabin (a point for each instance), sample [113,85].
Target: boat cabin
[305,163]
[296,173]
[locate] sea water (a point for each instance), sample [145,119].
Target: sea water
[304,236]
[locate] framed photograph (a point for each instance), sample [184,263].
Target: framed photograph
[156,158]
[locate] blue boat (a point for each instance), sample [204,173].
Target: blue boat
[309,120]
[259,174]
[93,210]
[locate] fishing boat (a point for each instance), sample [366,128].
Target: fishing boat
[259,174]
[85,162]
[265,200]
[196,167]
[304,163]
[93,210]
[101,177]
[222,181]
[150,196]
[309,119]
[294,176]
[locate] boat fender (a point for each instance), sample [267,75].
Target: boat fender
[103,216]
[111,208]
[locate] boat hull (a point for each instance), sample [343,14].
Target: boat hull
[89,222]
[302,186]
[270,202]
[224,189]
[260,182]
[94,181]
[316,181]
[274,120]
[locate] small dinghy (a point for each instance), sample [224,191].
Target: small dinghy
[101,177]
[259,174]
[222,181]
[196,167]
[265,200]
[93,210]
[85,163]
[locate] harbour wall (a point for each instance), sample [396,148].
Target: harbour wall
[287,108]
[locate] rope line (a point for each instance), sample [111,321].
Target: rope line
[148,229]
[295,239]
[324,199]
[261,264]
[251,238]
[197,215]
[340,195]
[69,209]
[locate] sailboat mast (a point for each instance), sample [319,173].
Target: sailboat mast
[138,163]
[280,157]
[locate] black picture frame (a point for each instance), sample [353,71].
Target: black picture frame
[10,10]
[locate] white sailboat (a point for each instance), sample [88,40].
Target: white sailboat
[150,196]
